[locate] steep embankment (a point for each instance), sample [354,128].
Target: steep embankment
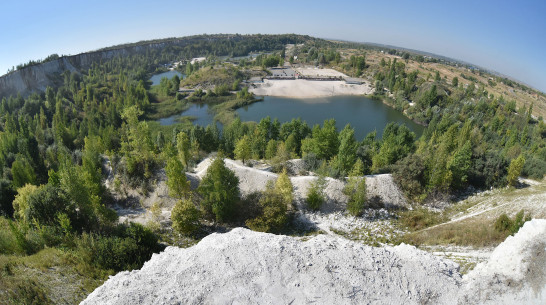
[245,267]
[36,78]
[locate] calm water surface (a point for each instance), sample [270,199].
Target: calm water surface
[198,111]
[364,115]
[156,79]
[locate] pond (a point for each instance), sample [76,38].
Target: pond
[364,115]
[156,79]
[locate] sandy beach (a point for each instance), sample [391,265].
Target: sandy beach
[307,88]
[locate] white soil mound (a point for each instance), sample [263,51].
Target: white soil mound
[245,267]
[379,187]
[515,273]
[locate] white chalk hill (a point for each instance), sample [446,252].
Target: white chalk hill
[245,267]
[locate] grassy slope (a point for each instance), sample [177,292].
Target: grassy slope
[472,220]
[51,276]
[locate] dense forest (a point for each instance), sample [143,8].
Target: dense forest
[54,147]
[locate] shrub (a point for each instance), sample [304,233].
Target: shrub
[185,217]
[274,217]
[534,168]
[409,175]
[507,225]
[128,248]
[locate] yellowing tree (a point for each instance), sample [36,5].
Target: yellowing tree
[283,187]
[514,170]
[20,204]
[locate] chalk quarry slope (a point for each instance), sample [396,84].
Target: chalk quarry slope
[245,267]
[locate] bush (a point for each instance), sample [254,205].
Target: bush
[274,217]
[128,248]
[185,217]
[507,225]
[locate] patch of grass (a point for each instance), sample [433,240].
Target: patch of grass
[225,110]
[471,232]
[420,218]
[47,277]
[370,238]
[165,106]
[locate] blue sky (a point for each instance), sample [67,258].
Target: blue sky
[506,36]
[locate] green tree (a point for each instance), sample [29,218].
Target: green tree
[183,146]
[242,149]
[460,164]
[220,191]
[347,150]
[315,195]
[355,189]
[7,195]
[398,142]
[455,81]
[185,217]
[271,149]
[514,170]
[22,172]
[178,184]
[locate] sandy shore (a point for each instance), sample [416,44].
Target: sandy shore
[305,88]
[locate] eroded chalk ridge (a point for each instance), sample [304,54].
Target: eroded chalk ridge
[246,267]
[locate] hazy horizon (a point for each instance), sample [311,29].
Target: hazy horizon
[496,35]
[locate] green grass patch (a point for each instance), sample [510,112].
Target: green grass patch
[420,218]
[51,276]
[162,106]
[471,232]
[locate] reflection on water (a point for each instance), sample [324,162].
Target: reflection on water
[156,79]
[364,115]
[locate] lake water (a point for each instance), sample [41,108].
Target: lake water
[197,110]
[156,79]
[364,115]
